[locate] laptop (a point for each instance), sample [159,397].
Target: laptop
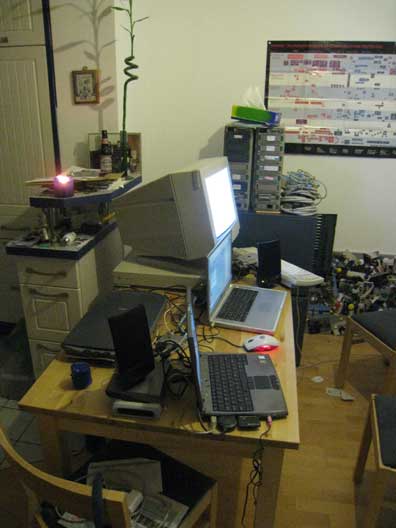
[91,339]
[233,384]
[247,308]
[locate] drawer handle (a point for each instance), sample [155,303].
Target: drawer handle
[49,349]
[63,295]
[46,274]
[7,228]
[3,40]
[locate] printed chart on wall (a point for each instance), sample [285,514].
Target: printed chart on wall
[336,98]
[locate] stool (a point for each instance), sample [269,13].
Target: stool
[381,428]
[378,329]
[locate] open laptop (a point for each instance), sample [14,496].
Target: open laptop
[233,384]
[247,308]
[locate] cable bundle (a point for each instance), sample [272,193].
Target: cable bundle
[301,193]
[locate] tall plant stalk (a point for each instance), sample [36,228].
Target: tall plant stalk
[130,76]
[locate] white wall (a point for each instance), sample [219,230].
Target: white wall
[197,58]
[83,35]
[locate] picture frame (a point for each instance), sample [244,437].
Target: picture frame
[85,86]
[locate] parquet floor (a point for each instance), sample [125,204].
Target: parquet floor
[316,489]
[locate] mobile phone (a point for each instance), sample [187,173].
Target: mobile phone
[248,422]
[226,423]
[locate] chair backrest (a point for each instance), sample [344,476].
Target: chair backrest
[66,495]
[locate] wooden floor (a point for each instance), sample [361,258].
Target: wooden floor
[316,489]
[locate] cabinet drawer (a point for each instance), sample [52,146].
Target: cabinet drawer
[49,272]
[50,312]
[42,352]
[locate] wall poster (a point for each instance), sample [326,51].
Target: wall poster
[336,98]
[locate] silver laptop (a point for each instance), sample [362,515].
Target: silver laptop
[234,384]
[247,308]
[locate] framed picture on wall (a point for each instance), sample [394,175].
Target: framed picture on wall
[85,86]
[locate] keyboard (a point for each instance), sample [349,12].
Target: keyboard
[292,275]
[237,305]
[229,383]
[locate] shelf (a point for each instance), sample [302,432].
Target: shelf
[81,199]
[72,252]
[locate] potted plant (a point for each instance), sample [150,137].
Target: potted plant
[130,76]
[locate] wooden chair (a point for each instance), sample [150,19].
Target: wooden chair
[67,495]
[378,329]
[76,498]
[381,429]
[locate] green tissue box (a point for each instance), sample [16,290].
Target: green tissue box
[255,115]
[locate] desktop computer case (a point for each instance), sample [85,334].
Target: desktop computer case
[239,147]
[255,155]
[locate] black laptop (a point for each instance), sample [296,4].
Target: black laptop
[234,384]
[91,339]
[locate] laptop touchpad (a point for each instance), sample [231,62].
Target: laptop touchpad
[262,382]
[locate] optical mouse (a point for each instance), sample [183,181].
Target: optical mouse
[261,343]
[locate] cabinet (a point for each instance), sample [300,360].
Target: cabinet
[57,292]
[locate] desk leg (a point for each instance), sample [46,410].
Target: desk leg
[345,355]
[56,456]
[272,460]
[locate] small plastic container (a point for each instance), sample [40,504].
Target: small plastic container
[81,375]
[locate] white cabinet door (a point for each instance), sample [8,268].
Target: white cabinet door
[50,313]
[21,23]
[26,147]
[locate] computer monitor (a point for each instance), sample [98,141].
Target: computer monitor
[182,215]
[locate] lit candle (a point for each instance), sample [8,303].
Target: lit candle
[63,186]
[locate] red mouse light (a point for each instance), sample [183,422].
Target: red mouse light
[265,348]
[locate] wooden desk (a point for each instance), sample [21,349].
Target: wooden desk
[226,458]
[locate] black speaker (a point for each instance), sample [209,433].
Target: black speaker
[132,345]
[269,263]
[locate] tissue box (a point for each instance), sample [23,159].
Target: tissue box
[255,115]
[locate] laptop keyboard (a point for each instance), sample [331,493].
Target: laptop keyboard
[229,383]
[238,304]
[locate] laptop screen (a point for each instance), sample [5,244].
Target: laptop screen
[219,271]
[193,348]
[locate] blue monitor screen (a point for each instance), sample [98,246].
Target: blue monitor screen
[219,271]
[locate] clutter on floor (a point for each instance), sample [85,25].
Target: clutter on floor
[365,283]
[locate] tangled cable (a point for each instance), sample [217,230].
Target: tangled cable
[301,193]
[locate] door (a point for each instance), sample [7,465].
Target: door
[27,144]
[26,147]
[21,23]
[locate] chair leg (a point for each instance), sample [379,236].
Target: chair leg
[364,449]
[345,355]
[375,500]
